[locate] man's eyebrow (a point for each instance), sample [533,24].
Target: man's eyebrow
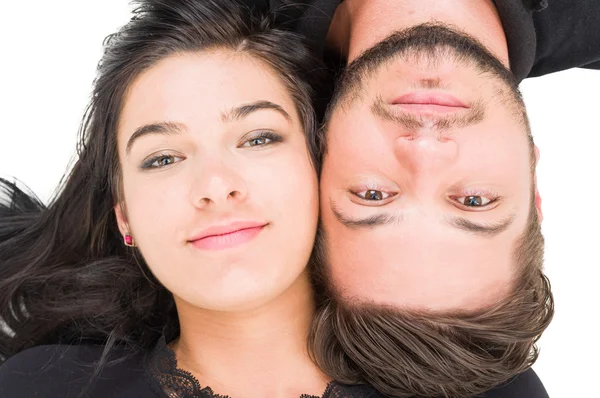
[242,111]
[486,229]
[154,128]
[367,222]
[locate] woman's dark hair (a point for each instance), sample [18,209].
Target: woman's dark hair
[65,274]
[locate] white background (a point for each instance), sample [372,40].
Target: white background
[49,51]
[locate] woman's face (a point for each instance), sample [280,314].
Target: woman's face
[219,192]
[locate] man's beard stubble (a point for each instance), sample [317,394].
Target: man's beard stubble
[426,42]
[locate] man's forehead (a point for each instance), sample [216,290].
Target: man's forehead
[416,270]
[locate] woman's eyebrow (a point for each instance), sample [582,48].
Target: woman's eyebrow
[242,111]
[155,128]
[233,114]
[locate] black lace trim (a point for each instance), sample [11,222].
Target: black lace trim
[176,383]
[161,366]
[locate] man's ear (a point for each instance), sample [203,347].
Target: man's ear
[338,35]
[121,219]
[538,198]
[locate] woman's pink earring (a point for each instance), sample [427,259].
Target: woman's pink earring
[129,240]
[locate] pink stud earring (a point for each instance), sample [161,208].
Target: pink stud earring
[129,240]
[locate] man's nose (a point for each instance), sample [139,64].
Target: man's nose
[425,152]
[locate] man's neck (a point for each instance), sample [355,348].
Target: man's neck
[360,24]
[262,352]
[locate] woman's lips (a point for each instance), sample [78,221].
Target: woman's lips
[428,102]
[227,240]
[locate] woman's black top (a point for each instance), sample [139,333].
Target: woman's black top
[63,371]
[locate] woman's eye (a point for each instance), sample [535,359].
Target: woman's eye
[474,201]
[262,139]
[373,195]
[160,161]
[258,141]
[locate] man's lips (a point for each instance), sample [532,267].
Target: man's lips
[227,236]
[429,102]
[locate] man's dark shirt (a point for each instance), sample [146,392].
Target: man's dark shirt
[543,36]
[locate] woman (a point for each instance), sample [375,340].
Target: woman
[174,257]
[180,240]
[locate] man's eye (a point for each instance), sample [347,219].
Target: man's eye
[474,201]
[160,161]
[373,195]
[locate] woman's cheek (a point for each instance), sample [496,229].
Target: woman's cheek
[157,204]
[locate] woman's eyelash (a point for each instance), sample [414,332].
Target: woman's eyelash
[149,163]
[269,135]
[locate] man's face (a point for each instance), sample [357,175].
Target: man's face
[426,184]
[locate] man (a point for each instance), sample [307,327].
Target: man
[431,245]
[441,172]
[431,233]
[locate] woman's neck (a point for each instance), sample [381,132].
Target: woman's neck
[255,353]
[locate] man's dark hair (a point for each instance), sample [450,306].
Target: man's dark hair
[405,353]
